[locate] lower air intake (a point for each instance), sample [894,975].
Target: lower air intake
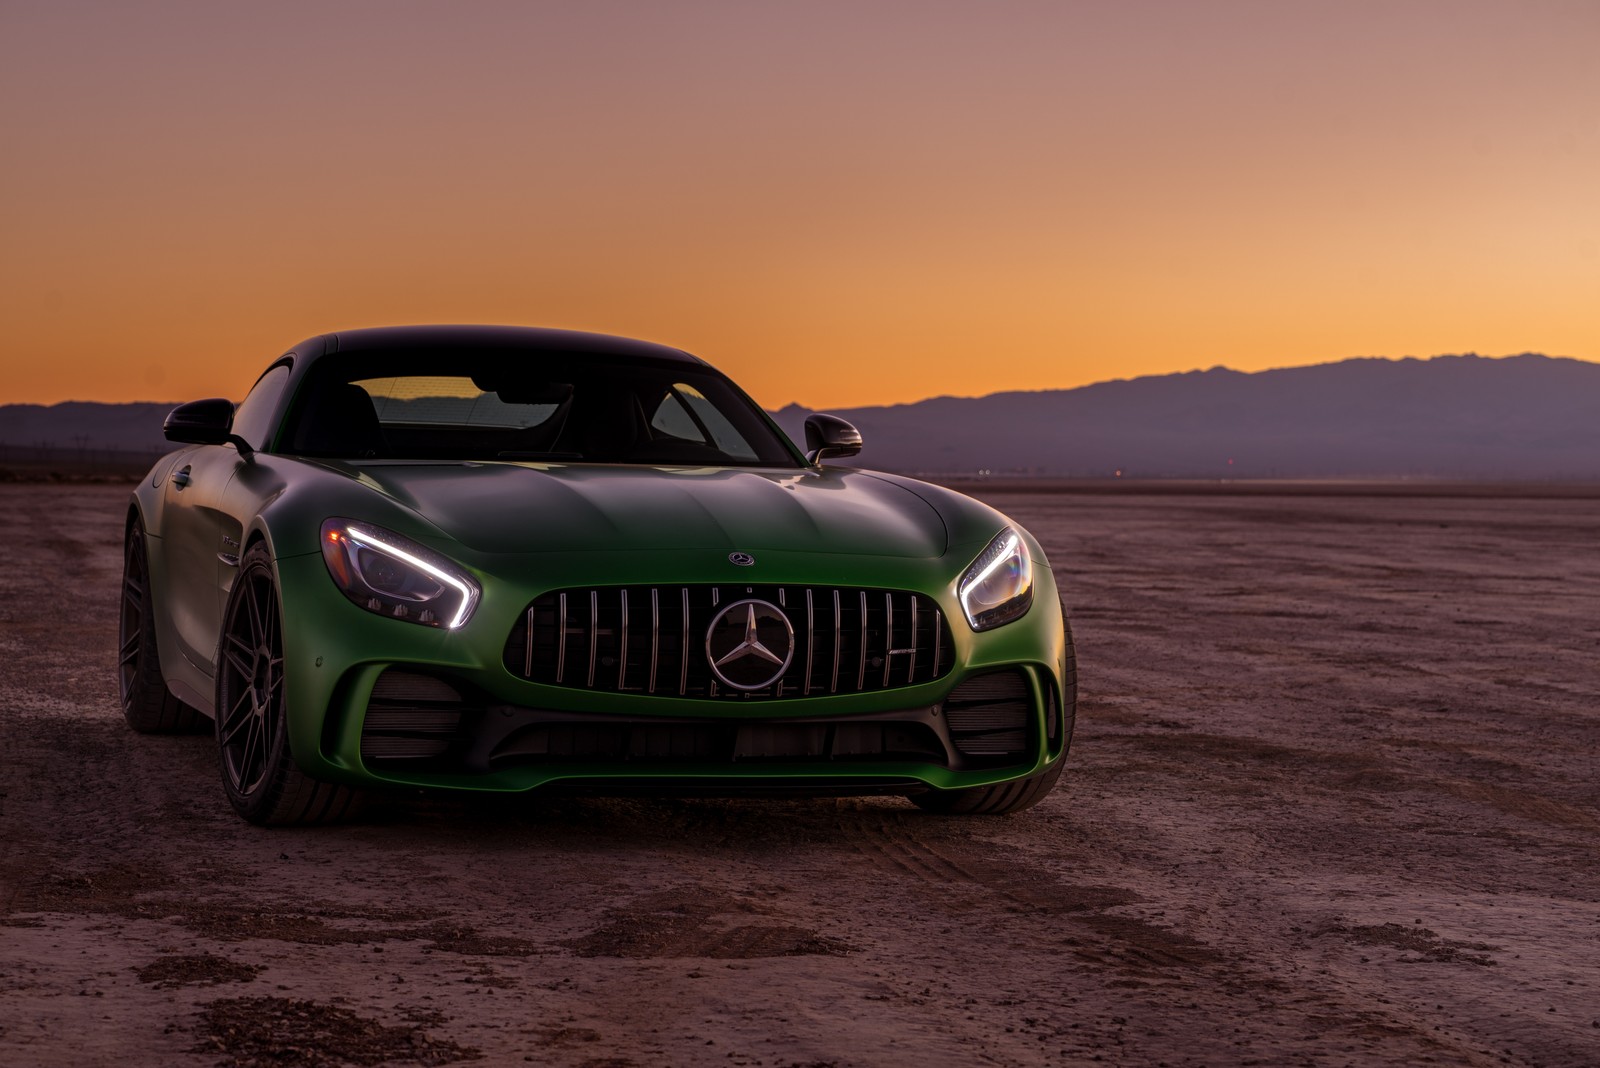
[988,715]
[410,717]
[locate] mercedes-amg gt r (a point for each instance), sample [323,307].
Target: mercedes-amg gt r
[508,559]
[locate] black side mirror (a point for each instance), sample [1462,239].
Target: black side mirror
[205,422]
[828,435]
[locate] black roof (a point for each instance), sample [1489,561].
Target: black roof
[524,338]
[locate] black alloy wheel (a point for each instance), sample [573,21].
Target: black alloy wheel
[258,769]
[147,704]
[252,677]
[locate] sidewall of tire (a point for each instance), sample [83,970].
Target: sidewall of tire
[149,707]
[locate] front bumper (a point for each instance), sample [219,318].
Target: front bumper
[505,733]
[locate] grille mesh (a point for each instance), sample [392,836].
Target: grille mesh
[651,640]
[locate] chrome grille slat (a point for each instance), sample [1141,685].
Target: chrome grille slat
[870,623]
[861,677]
[528,659]
[622,656]
[888,636]
[683,678]
[911,670]
[838,637]
[594,632]
[561,650]
[811,628]
[655,635]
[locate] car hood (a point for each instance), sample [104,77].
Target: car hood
[513,508]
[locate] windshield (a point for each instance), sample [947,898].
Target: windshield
[475,405]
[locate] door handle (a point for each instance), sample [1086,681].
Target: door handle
[180,478]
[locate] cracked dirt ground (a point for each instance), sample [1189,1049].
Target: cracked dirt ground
[1333,800]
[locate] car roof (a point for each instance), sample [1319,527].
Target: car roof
[517,338]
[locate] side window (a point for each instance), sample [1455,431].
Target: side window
[252,420]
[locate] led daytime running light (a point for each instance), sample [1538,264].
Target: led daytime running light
[977,580]
[364,539]
[395,577]
[999,605]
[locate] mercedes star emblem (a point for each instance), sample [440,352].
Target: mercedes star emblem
[742,559]
[750,644]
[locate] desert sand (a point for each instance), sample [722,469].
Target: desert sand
[1333,800]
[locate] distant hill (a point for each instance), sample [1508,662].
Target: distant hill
[86,426]
[1519,417]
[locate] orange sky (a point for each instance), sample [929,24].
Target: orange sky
[838,204]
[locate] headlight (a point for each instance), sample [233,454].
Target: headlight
[395,577]
[998,587]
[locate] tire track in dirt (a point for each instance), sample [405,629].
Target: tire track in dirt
[1151,962]
[686,921]
[945,866]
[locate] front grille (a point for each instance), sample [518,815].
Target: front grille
[988,715]
[651,640]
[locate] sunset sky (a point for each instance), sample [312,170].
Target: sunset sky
[837,203]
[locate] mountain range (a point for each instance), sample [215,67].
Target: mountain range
[1517,417]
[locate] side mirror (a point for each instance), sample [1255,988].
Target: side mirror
[828,435]
[204,422]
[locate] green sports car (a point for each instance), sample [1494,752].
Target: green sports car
[507,559]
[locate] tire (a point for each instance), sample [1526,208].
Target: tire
[1004,798]
[147,704]
[258,770]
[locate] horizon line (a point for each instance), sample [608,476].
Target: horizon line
[1001,392]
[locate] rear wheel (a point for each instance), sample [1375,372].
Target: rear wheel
[258,769]
[147,704]
[1007,797]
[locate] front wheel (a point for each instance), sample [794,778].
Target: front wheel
[1005,798]
[1001,799]
[258,769]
